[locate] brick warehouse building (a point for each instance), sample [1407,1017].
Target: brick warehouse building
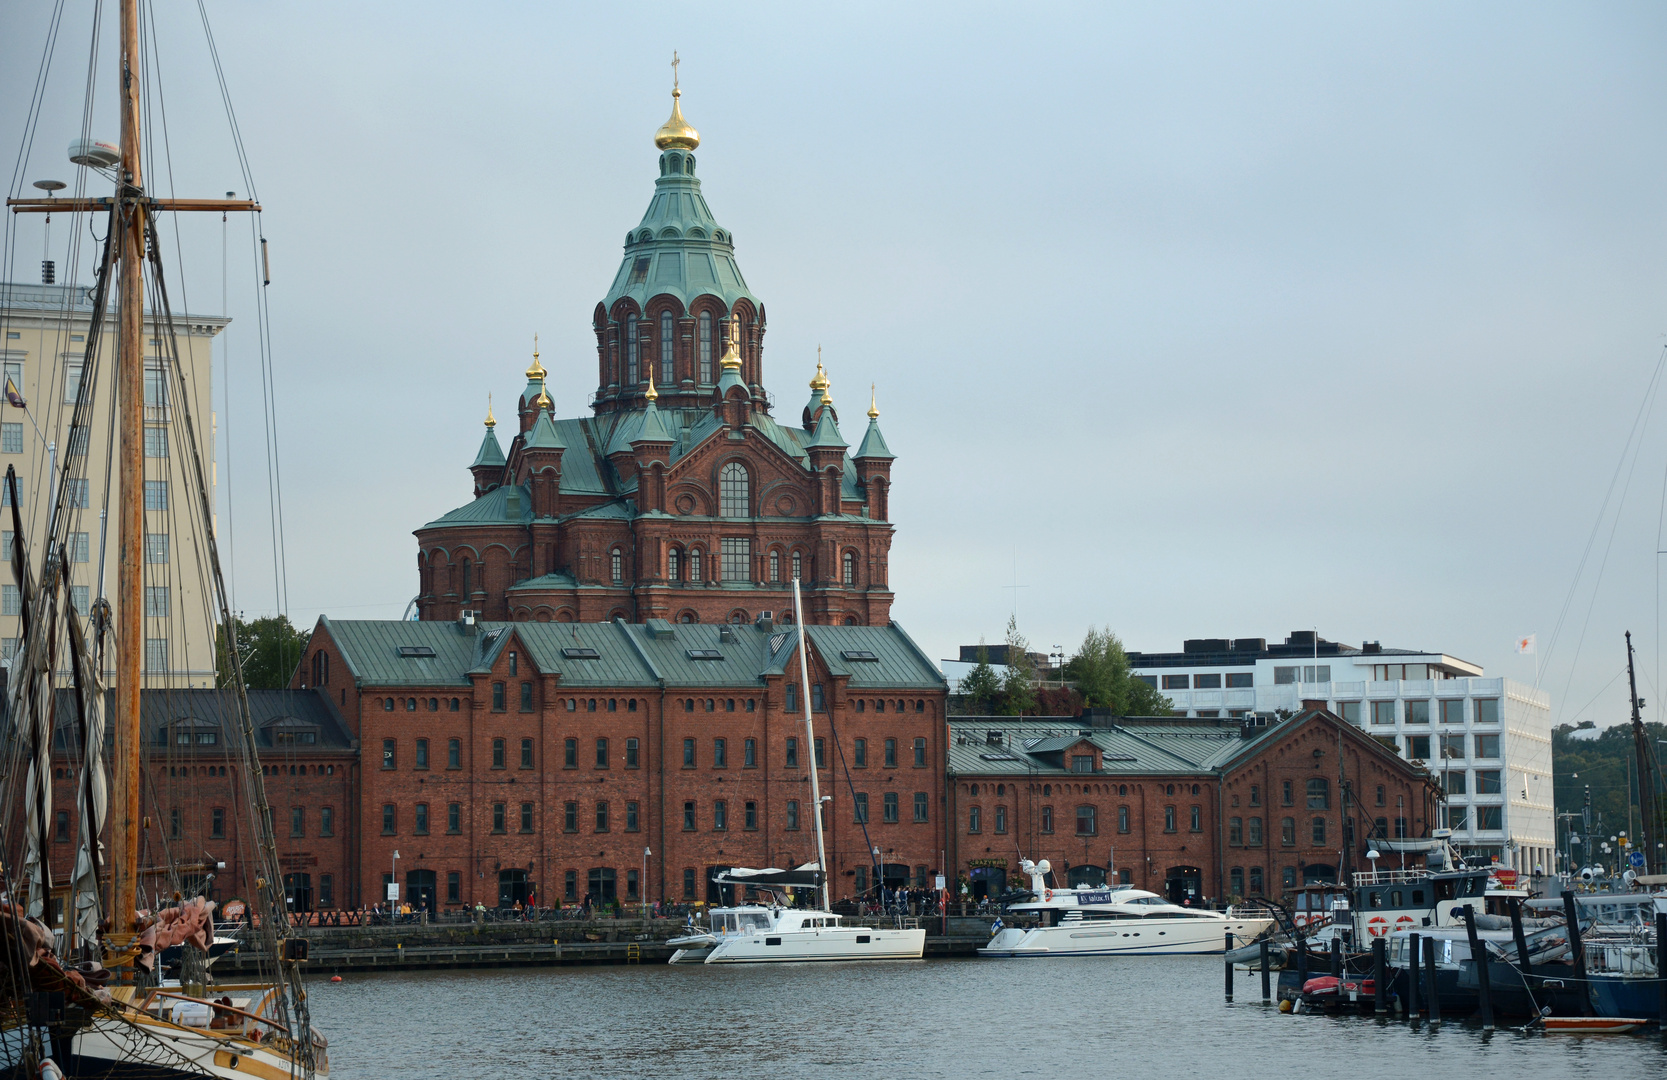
[681,497]
[505,761]
[1182,807]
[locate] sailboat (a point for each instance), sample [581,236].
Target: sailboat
[90,999]
[775,932]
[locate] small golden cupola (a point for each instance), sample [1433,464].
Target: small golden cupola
[676,132]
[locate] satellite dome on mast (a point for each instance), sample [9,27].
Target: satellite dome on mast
[94,153]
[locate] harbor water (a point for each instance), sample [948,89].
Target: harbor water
[1086,1016]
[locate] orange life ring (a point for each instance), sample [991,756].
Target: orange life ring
[1047,894]
[1377,926]
[1403,922]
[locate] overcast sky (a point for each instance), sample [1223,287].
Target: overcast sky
[1192,320]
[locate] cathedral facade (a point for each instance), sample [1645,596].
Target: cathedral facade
[681,497]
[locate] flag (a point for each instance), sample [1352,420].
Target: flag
[1526,644]
[12,394]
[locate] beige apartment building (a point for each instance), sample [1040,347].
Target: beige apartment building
[43,353]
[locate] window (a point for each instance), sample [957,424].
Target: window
[601,753]
[920,753]
[975,819]
[860,801]
[688,817]
[1240,679]
[387,819]
[1235,881]
[454,818]
[156,494]
[736,553]
[1488,782]
[570,753]
[454,887]
[498,818]
[602,817]
[1122,819]
[616,566]
[1487,746]
[1169,819]
[798,562]
[11,600]
[1235,830]
[821,756]
[630,753]
[1253,832]
[1288,831]
[1319,793]
[720,816]
[297,821]
[859,752]
[1487,710]
[630,817]
[1319,831]
[792,814]
[1418,712]
[76,494]
[1455,781]
[689,753]
[422,753]
[421,826]
[775,565]
[631,345]
[891,753]
[570,817]
[720,754]
[689,884]
[668,374]
[889,812]
[388,756]
[1283,675]
[694,565]
[1082,763]
[673,570]
[77,441]
[1288,876]
[156,548]
[1086,824]
[733,501]
[156,441]
[1458,818]
[1418,747]
[921,807]
[705,336]
[1452,746]
[792,753]
[497,753]
[848,568]
[1349,711]
[156,383]
[497,697]
[1255,794]
[1175,682]
[526,697]
[749,752]
[1001,819]
[11,438]
[1206,682]
[1490,817]
[454,753]
[790,701]
[1452,712]
[526,753]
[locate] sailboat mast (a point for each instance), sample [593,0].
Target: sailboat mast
[130,380]
[1641,749]
[810,748]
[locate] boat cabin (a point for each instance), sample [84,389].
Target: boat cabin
[739,920]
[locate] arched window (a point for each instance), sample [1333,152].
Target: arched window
[616,564]
[466,580]
[668,373]
[848,568]
[797,565]
[775,565]
[732,490]
[694,565]
[630,348]
[673,558]
[706,346]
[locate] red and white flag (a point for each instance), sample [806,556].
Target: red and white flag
[1526,644]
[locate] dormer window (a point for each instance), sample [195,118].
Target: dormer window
[292,731]
[193,732]
[1082,763]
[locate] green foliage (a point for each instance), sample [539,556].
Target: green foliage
[1018,686]
[1605,764]
[269,650]
[1100,670]
[981,687]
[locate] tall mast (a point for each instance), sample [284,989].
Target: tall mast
[1641,749]
[810,748]
[130,381]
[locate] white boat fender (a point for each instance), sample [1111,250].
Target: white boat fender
[1047,894]
[192,1013]
[50,1070]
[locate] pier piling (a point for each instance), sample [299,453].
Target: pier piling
[1302,962]
[1379,969]
[1267,994]
[1337,957]
[1412,978]
[1229,956]
[1479,955]
[1577,950]
[1434,996]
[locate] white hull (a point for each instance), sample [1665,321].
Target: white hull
[797,946]
[1150,936]
[113,1048]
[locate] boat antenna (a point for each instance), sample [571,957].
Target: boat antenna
[810,745]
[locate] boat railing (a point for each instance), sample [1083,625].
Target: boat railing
[1389,877]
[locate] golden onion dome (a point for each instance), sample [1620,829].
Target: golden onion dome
[676,132]
[651,394]
[819,381]
[873,408]
[537,370]
[491,421]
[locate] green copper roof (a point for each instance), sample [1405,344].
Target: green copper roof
[730,378]
[491,453]
[534,388]
[826,435]
[678,248]
[544,434]
[873,443]
[652,430]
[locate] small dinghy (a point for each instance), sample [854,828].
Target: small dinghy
[1593,1025]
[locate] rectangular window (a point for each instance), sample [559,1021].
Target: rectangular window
[975,819]
[72,380]
[526,817]
[498,818]
[1349,711]
[1418,712]
[1487,710]
[389,759]
[688,753]
[156,654]
[422,753]
[326,891]
[631,753]
[1082,763]
[720,753]
[1452,746]
[1122,819]
[454,818]
[749,754]
[11,438]
[922,804]
[891,753]
[156,494]
[601,753]
[1490,817]
[497,697]
[1285,790]
[688,817]
[817,702]
[156,602]
[156,383]
[889,811]
[821,755]
[1235,831]
[630,817]
[1001,819]
[1085,821]
[792,753]
[791,699]
[1454,780]
[497,753]
[526,697]
[792,815]
[156,548]
[1207,682]
[217,823]
[920,753]
[11,600]
[1487,746]
[1282,675]
[720,816]
[1418,747]
[570,753]
[736,554]
[1240,679]
[156,441]
[75,491]
[454,887]
[859,752]
[1488,782]
[1319,832]
[1255,794]
[1176,682]
[387,819]
[77,441]
[1452,712]
[689,885]
[1458,818]
[860,802]
[1169,819]
[454,753]
[421,825]
[1288,831]
[1253,832]
[297,821]
[601,817]
[570,817]
[1383,713]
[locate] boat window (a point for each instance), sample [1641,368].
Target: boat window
[1374,898]
[1395,899]
[1418,897]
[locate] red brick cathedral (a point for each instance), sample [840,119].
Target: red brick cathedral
[681,497]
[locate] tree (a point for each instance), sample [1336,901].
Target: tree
[1101,672]
[981,686]
[1018,686]
[269,650]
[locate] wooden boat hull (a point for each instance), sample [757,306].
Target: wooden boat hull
[1592,1025]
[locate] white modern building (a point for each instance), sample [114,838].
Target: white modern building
[1488,740]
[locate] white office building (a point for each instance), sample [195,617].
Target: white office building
[1488,741]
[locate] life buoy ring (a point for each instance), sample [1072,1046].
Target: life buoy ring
[1377,926]
[1404,922]
[1047,894]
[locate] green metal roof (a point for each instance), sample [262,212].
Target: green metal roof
[873,443]
[1036,745]
[678,248]
[491,453]
[651,430]
[543,434]
[826,435]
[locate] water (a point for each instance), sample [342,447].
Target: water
[1129,1017]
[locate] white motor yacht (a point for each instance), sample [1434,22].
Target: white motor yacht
[1115,920]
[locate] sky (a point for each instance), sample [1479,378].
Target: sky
[1190,320]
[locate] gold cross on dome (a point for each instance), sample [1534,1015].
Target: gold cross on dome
[674,62]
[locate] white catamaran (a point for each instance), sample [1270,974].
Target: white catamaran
[776,933]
